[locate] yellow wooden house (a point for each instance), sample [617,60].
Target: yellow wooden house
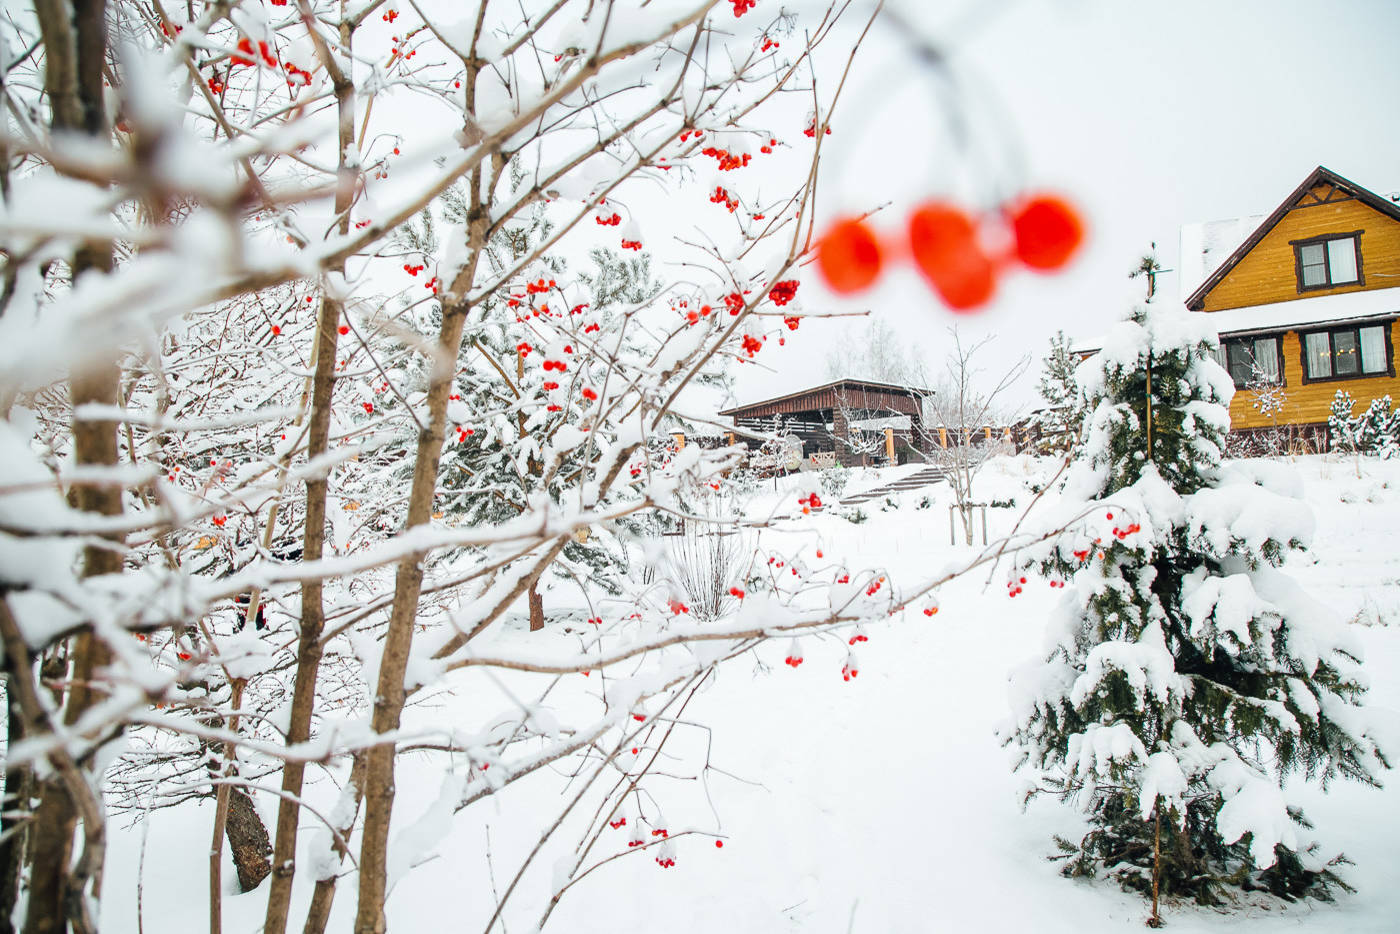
[1305,305]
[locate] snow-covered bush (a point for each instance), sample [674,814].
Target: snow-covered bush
[1375,431]
[1185,675]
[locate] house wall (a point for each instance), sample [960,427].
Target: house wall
[1267,273]
[1308,403]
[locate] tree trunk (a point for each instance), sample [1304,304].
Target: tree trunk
[389,694]
[247,840]
[313,614]
[324,894]
[13,816]
[75,41]
[536,608]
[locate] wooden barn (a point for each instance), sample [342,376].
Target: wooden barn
[851,421]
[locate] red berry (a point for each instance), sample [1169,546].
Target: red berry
[344,329]
[848,257]
[944,242]
[719,844]
[1048,232]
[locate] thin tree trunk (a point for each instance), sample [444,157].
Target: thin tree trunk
[389,693]
[313,614]
[228,768]
[323,896]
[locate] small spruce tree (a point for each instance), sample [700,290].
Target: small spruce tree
[1058,423]
[1187,674]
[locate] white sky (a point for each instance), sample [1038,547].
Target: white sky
[1148,115]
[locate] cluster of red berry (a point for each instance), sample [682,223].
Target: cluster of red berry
[388,17]
[931,609]
[721,196]
[727,160]
[809,502]
[858,637]
[677,607]
[792,321]
[538,286]
[768,44]
[783,292]
[264,52]
[559,365]
[631,244]
[752,345]
[414,269]
[610,221]
[944,241]
[734,302]
[1015,586]
[736,592]
[851,668]
[743,6]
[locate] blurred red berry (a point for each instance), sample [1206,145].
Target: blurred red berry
[943,240]
[848,257]
[1048,232]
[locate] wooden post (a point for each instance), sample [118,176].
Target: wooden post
[889,445]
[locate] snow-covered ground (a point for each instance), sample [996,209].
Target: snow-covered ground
[880,804]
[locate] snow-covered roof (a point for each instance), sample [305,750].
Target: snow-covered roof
[1278,316]
[1322,309]
[1205,245]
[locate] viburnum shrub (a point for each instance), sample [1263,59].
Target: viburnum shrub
[1044,232]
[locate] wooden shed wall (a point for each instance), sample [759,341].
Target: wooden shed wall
[1268,273]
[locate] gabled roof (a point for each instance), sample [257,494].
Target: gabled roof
[820,397]
[1319,175]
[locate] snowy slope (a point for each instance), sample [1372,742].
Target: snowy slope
[883,804]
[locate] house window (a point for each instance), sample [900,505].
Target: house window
[1327,262]
[1344,353]
[1251,360]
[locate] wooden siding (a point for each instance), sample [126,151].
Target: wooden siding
[1309,403]
[1268,272]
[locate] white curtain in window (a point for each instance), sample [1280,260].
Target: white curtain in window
[1373,350]
[1318,354]
[1266,359]
[1341,259]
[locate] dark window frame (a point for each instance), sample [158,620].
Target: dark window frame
[1250,340]
[1355,329]
[1354,236]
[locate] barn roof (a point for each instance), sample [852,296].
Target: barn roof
[867,394]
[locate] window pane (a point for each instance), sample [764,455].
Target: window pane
[1240,364]
[1373,350]
[1341,257]
[1266,359]
[1346,353]
[1314,258]
[1218,352]
[1318,354]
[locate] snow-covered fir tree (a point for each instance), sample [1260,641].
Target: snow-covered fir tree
[1059,421]
[1186,675]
